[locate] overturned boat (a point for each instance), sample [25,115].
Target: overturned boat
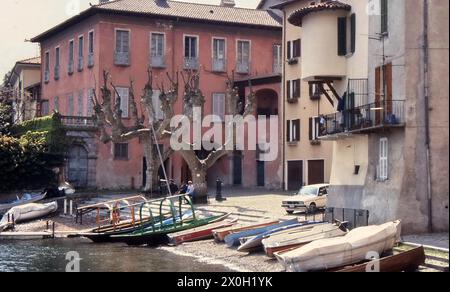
[358,245]
[26,213]
[221,233]
[25,199]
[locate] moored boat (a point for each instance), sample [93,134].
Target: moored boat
[251,244]
[407,261]
[25,199]
[350,249]
[27,212]
[298,237]
[200,233]
[221,233]
[233,239]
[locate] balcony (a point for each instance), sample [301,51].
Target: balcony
[46,76]
[90,60]
[363,119]
[218,65]
[80,64]
[57,69]
[243,67]
[72,123]
[70,68]
[277,68]
[158,62]
[122,58]
[190,63]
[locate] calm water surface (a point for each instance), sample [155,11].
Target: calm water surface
[50,256]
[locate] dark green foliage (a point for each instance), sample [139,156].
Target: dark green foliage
[27,159]
[5,118]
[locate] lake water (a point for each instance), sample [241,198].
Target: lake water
[50,256]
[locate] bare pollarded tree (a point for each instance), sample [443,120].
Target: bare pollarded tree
[147,125]
[193,97]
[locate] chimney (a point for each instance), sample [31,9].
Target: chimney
[227,3]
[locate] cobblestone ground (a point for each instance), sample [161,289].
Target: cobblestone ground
[438,239]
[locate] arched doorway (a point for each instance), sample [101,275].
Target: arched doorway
[77,166]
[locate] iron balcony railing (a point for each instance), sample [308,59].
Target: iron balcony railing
[363,118]
[57,72]
[70,68]
[80,64]
[80,123]
[190,63]
[122,58]
[243,67]
[158,61]
[218,65]
[91,60]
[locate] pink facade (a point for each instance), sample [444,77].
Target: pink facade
[106,172]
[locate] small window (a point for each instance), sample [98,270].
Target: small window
[57,56]
[90,103]
[293,131]
[121,151]
[91,42]
[70,105]
[383,173]
[293,89]
[219,49]
[124,94]
[47,61]
[45,108]
[122,41]
[159,114]
[80,104]
[243,52]
[294,49]
[71,51]
[190,47]
[277,58]
[80,47]
[384,17]
[219,106]
[157,45]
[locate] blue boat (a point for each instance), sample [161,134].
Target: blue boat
[233,239]
[249,244]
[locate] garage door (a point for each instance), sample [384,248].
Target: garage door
[295,175]
[316,172]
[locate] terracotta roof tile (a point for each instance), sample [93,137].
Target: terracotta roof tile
[296,17]
[35,60]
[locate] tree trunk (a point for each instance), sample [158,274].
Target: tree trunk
[152,169]
[200,184]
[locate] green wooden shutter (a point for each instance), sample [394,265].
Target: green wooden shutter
[353,33]
[288,131]
[342,36]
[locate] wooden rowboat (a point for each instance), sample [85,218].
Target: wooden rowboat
[26,199]
[407,261]
[301,236]
[220,234]
[200,233]
[351,249]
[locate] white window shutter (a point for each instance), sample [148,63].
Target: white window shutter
[80,104]
[124,101]
[90,103]
[159,115]
[384,162]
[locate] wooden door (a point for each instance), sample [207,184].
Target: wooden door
[316,172]
[77,168]
[261,173]
[295,175]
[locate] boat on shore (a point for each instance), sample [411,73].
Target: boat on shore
[407,261]
[298,237]
[200,233]
[221,233]
[350,249]
[233,239]
[26,212]
[251,244]
[25,199]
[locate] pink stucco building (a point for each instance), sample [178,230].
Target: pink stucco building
[125,37]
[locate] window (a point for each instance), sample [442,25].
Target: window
[314,128]
[383,174]
[218,101]
[90,103]
[122,52]
[384,17]
[45,108]
[243,57]
[159,114]
[293,131]
[277,59]
[294,49]
[56,104]
[91,49]
[157,50]
[47,67]
[70,105]
[190,52]
[80,53]
[124,94]
[293,89]
[57,62]
[346,35]
[315,91]
[219,55]
[71,56]
[80,104]
[121,151]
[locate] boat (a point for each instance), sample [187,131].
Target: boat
[408,261]
[104,234]
[250,244]
[350,249]
[25,199]
[221,233]
[234,238]
[298,237]
[156,235]
[197,234]
[27,212]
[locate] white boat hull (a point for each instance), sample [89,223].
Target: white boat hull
[28,212]
[355,247]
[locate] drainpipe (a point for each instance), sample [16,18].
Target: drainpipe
[283,86]
[427,112]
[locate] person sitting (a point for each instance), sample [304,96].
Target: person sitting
[190,190]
